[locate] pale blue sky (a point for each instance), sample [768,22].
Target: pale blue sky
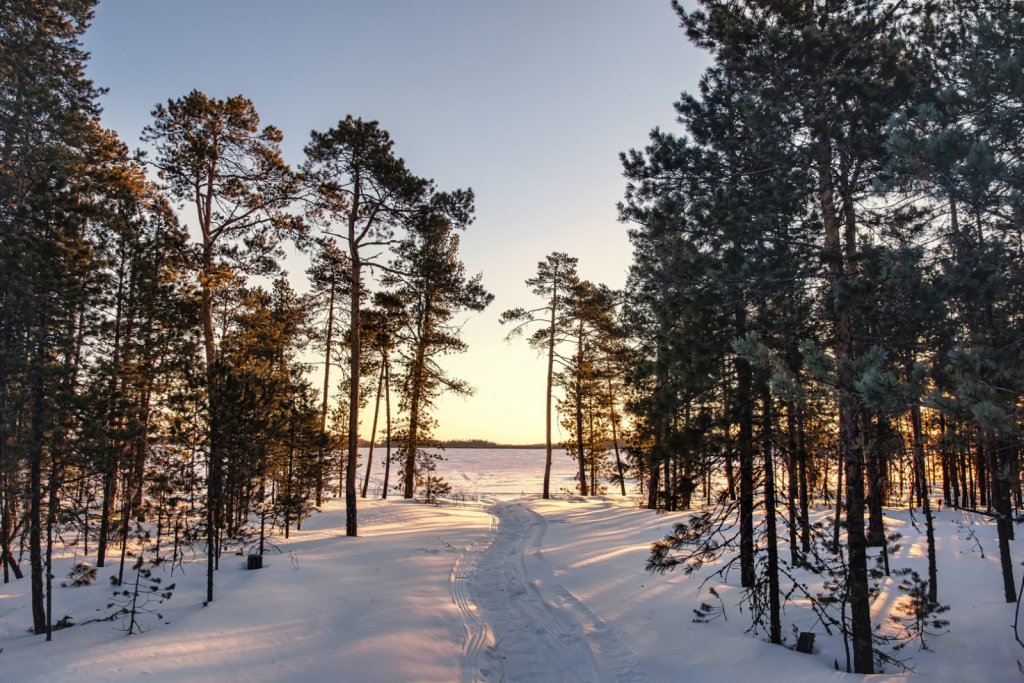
[528,102]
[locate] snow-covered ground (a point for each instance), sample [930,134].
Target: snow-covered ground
[501,588]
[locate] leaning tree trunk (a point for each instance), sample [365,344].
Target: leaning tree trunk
[387,427]
[373,430]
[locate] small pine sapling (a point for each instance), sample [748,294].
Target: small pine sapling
[142,596]
[916,616]
[82,574]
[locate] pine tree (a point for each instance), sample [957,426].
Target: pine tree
[48,133]
[213,154]
[556,277]
[430,278]
[360,192]
[328,274]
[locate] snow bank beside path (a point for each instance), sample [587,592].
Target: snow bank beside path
[596,550]
[330,608]
[428,593]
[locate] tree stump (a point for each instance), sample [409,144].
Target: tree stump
[805,643]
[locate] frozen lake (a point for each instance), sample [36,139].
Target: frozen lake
[473,472]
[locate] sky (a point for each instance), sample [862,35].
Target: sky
[528,102]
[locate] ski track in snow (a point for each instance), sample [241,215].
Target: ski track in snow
[522,629]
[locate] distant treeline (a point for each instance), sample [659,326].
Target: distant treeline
[483,443]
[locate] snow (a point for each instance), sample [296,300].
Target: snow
[500,587]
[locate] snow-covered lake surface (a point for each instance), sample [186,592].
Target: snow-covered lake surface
[503,588]
[501,472]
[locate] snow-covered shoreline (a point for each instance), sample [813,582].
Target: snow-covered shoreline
[388,606]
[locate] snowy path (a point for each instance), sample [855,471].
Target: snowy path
[521,625]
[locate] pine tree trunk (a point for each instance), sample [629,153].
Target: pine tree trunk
[655,470]
[140,453]
[415,399]
[1001,496]
[922,486]
[849,433]
[328,344]
[213,446]
[805,516]
[387,427]
[35,457]
[549,391]
[352,458]
[580,453]
[6,557]
[744,400]
[876,465]
[51,520]
[615,437]
[107,504]
[792,485]
[775,619]
[373,430]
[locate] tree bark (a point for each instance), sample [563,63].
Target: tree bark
[922,486]
[352,459]
[849,433]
